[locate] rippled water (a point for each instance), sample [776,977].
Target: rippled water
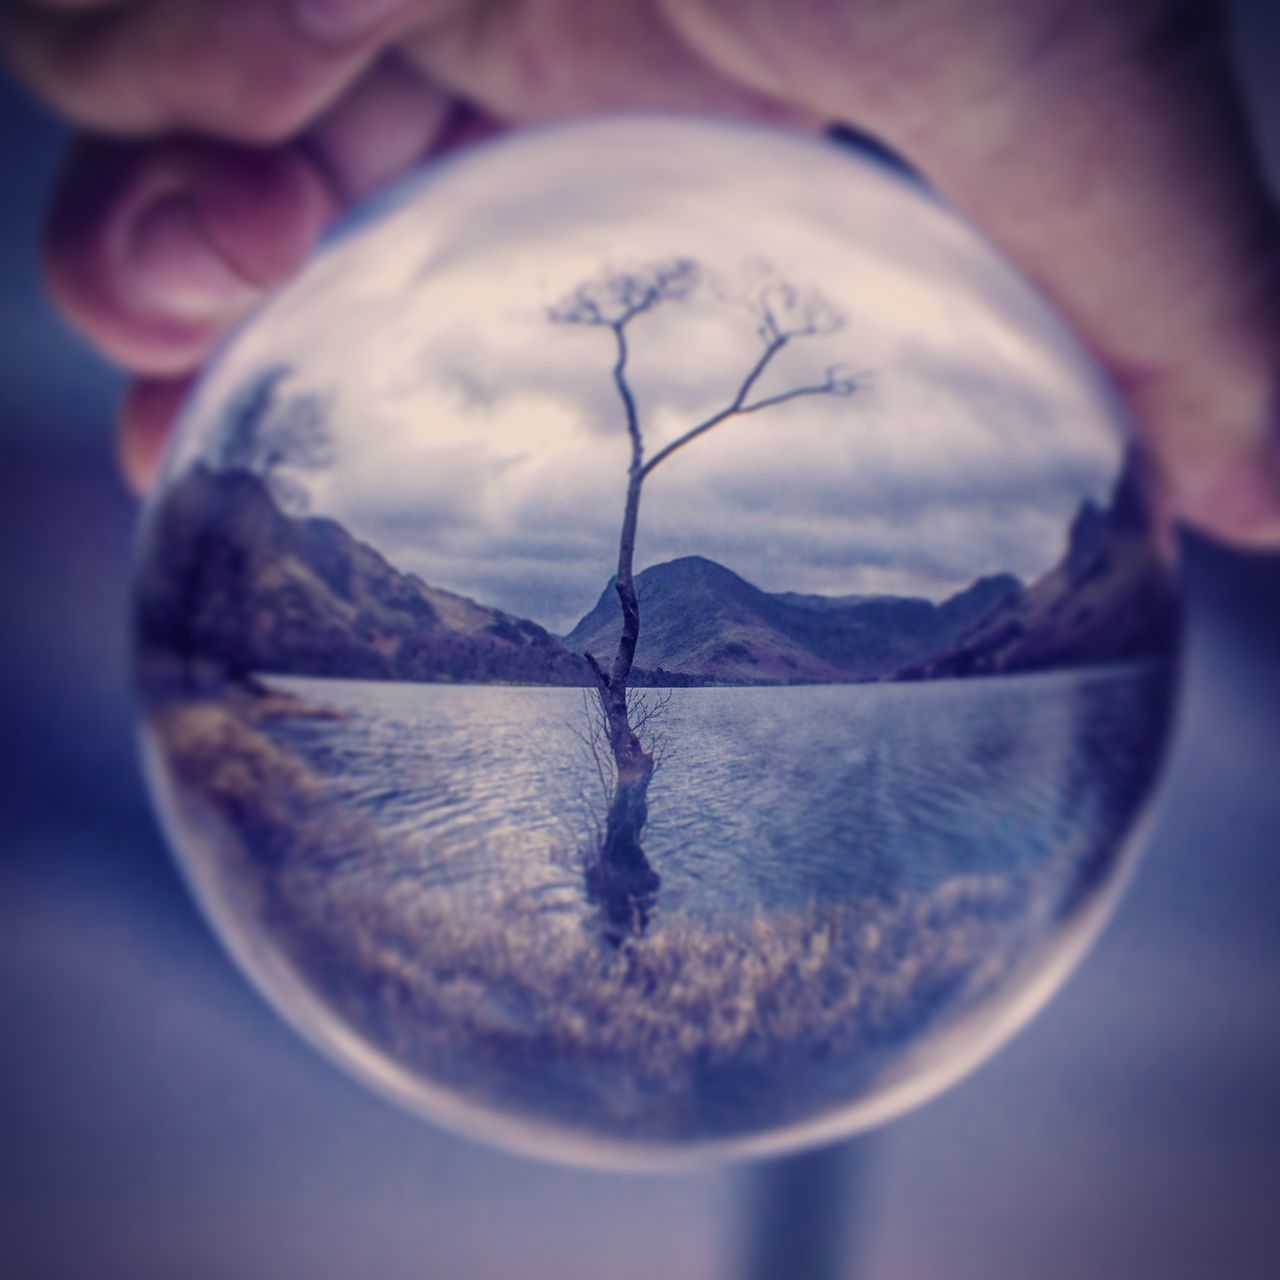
[857,883]
[768,797]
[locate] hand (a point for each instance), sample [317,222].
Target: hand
[1100,145]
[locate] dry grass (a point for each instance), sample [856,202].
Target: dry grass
[511,1003]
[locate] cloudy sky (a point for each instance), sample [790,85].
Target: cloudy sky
[483,446]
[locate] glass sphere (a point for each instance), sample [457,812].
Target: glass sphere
[653,647]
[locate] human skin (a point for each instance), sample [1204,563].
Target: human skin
[1101,145]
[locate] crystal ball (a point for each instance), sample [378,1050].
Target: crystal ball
[654,647]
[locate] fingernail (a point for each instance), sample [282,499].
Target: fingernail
[335,21]
[175,270]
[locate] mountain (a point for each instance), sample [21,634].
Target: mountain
[1108,599]
[700,620]
[235,583]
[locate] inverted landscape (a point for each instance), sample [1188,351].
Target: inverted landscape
[243,585]
[714,861]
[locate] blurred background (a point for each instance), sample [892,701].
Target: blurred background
[159,1121]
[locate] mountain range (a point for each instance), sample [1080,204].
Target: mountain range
[1108,599]
[700,619]
[233,583]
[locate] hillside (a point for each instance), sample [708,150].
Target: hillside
[702,620]
[235,583]
[1108,599]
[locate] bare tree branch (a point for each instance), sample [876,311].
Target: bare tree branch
[595,743]
[836,383]
[614,298]
[628,400]
[772,348]
[627,722]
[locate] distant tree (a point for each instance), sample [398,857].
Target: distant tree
[613,301]
[274,435]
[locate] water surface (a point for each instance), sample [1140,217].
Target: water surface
[855,880]
[767,797]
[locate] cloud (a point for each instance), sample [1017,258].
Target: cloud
[483,446]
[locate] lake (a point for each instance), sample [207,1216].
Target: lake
[857,883]
[766,797]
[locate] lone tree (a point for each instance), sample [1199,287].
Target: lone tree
[267,432]
[274,434]
[783,314]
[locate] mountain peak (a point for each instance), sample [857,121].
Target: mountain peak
[300,594]
[690,563]
[702,620]
[689,569]
[692,573]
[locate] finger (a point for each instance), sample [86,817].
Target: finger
[147,414]
[159,304]
[533,61]
[1139,207]
[248,70]
[152,250]
[383,126]
[152,406]
[1103,147]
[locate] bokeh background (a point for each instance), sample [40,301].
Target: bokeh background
[157,1120]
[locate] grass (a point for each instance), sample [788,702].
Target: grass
[694,1026]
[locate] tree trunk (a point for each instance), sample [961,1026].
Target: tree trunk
[633,769]
[622,879]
